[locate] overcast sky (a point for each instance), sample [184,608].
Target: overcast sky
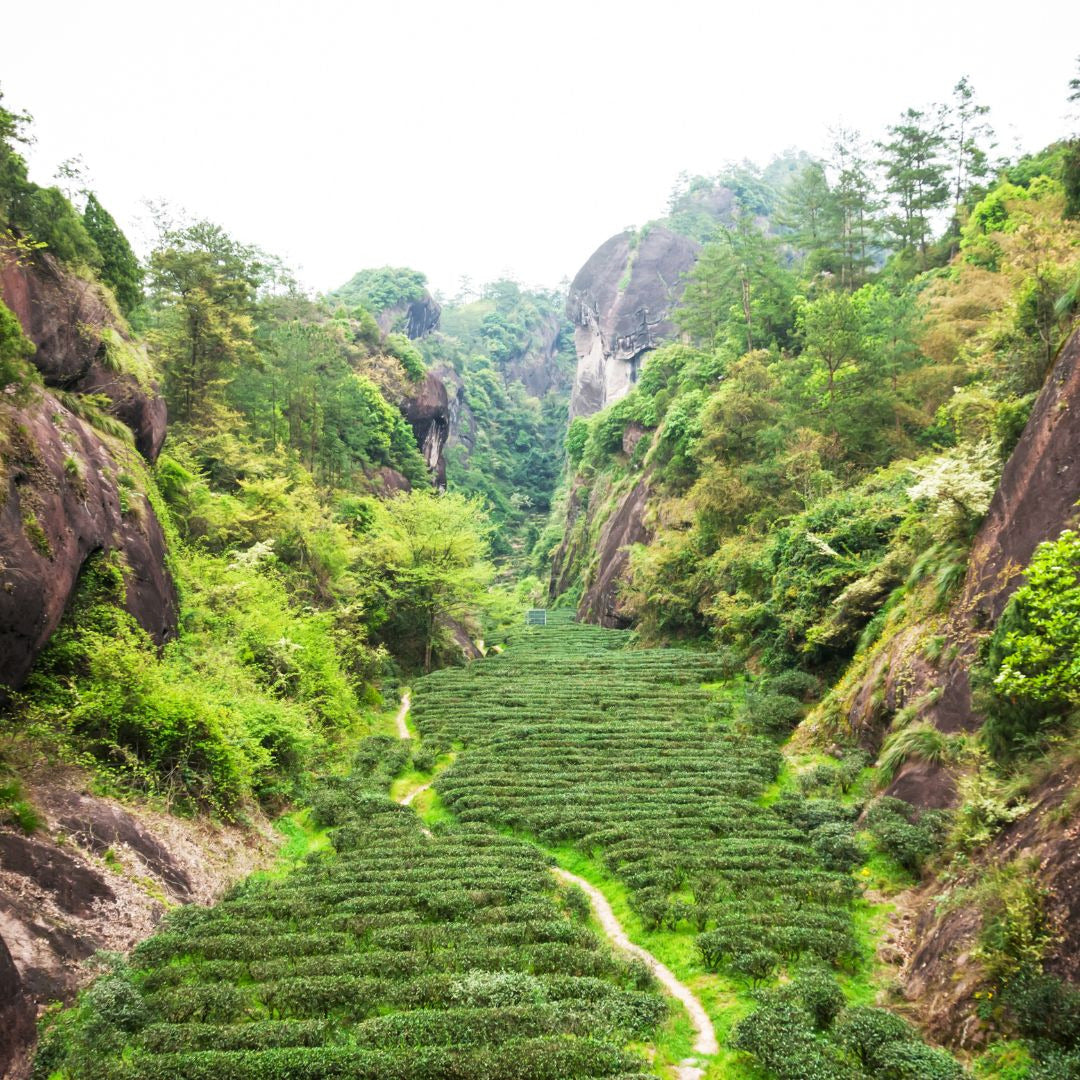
[484,138]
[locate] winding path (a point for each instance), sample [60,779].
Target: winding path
[402,727]
[705,1038]
[705,1034]
[406,800]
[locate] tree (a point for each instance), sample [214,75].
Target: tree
[805,208]
[854,226]
[203,289]
[916,177]
[967,134]
[119,267]
[428,557]
[738,294]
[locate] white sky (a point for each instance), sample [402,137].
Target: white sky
[482,137]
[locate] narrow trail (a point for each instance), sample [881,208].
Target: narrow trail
[402,727]
[705,1034]
[705,1039]
[406,800]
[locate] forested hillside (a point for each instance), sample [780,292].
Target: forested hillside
[780,785]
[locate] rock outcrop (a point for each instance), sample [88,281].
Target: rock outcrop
[428,411]
[67,491]
[416,318]
[66,488]
[80,343]
[97,875]
[1035,500]
[620,304]
[620,518]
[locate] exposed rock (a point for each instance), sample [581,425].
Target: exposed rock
[68,319]
[462,421]
[16,1013]
[608,562]
[600,602]
[416,319]
[536,366]
[619,303]
[1034,502]
[60,501]
[428,411]
[388,481]
[96,877]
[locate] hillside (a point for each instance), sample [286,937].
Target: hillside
[672,674]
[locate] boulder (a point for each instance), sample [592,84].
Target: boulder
[70,321]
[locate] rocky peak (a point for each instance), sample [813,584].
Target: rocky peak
[620,304]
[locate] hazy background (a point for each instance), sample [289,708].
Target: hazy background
[485,138]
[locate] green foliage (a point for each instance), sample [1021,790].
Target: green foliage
[382,288]
[1031,677]
[426,563]
[911,840]
[922,741]
[120,268]
[410,356]
[15,351]
[1016,931]
[232,710]
[15,809]
[461,963]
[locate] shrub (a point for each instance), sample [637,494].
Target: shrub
[911,842]
[773,714]
[867,1033]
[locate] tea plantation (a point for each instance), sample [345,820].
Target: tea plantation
[400,954]
[571,738]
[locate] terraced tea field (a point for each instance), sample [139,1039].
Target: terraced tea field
[571,738]
[402,954]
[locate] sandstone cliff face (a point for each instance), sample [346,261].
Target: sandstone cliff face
[97,875]
[536,366]
[601,526]
[428,411]
[620,304]
[1035,500]
[69,321]
[66,489]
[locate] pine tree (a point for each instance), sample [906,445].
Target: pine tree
[916,177]
[119,267]
[855,206]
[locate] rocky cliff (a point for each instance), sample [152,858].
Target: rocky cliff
[97,875]
[428,411]
[1035,500]
[415,318]
[69,488]
[620,304]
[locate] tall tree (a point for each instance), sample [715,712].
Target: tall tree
[969,139]
[203,287]
[428,557]
[916,177]
[119,267]
[855,205]
[739,293]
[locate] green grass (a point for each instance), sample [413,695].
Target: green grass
[302,838]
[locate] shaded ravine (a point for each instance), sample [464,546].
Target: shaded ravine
[704,1032]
